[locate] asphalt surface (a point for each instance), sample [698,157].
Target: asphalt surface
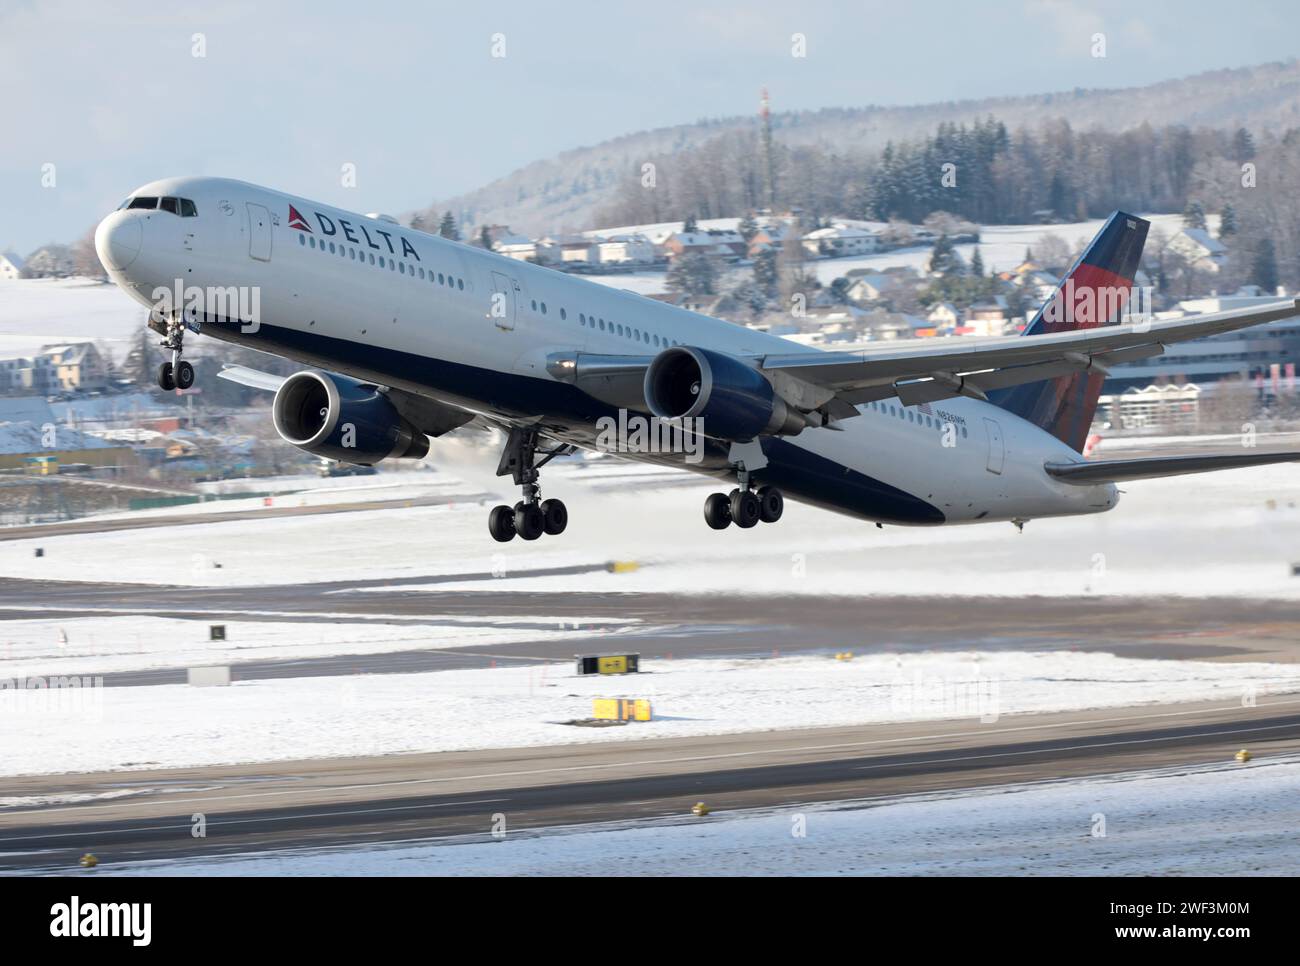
[674,626]
[401,798]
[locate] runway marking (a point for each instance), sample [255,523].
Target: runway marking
[605,766]
[1099,744]
[250,821]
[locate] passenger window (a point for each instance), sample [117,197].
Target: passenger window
[187,209]
[460,284]
[381,261]
[302,239]
[170,204]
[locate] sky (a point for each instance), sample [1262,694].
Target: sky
[112,95]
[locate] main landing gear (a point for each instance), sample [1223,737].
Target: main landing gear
[177,374]
[531,516]
[744,507]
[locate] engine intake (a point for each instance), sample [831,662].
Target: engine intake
[734,401]
[343,419]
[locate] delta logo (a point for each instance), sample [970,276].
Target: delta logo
[296,220]
[357,234]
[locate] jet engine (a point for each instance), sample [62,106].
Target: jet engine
[733,401]
[343,419]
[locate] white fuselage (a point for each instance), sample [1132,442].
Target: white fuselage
[384,303]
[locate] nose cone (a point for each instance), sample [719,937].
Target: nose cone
[118,239]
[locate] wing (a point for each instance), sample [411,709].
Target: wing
[1091,472]
[925,370]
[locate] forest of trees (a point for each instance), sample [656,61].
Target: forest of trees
[990,175]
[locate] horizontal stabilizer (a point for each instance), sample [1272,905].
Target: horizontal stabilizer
[1092,472]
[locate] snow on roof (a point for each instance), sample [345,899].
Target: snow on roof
[32,409]
[1203,238]
[28,437]
[12,258]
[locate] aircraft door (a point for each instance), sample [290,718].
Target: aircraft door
[501,308]
[259,232]
[997,453]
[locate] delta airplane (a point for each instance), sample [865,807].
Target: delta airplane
[410,336]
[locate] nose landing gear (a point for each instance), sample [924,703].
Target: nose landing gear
[531,516]
[177,374]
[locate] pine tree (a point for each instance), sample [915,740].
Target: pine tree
[1194,215]
[1227,221]
[417,221]
[1263,271]
[748,227]
[485,238]
[689,227]
[765,271]
[977,263]
[447,227]
[692,275]
[1243,145]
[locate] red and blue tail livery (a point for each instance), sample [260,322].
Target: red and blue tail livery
[1094,293]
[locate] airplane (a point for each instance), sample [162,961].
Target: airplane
[408,336]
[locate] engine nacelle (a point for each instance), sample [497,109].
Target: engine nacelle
[733,400]
[345,420]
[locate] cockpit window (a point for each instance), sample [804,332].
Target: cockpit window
[144,203]
[170,204]
[187,209]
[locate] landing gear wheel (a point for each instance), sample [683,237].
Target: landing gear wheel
[501,524]
[555,517]
[184,375]
[717,511]
[529,522]
[771,504]
[166,381]
[745,510]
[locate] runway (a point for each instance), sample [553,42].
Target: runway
[676,626]
[405,798]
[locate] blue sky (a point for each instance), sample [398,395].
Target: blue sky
[410,93]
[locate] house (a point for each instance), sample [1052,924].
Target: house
[840,240]
[527,250]
[871,287]
[77,366]
[694,243]
[1199,249]
[11,266]
[944,315]
[28,376]
[633,249]
[767,237]
[573,249]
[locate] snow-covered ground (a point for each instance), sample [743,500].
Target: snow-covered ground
[86,645]
[1230,819]
[95,729]
[1227,533]
[45,311]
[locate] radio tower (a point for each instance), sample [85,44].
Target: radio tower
[769,173]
